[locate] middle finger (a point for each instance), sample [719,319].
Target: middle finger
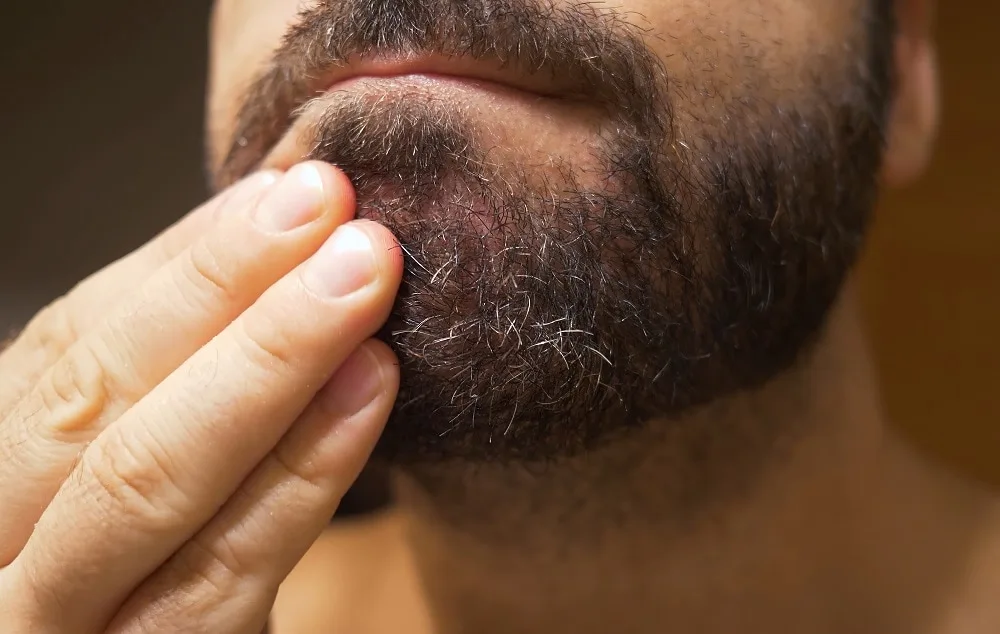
[165,468]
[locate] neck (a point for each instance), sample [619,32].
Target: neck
[788,509]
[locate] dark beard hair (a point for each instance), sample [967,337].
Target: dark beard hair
[538,316]
[592,49]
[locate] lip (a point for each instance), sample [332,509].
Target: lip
[433,73]
[483,73]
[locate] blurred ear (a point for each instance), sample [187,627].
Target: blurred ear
[915,113]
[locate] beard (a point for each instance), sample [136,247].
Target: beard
[543,311]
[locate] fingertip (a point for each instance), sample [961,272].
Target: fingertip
[387,362]
[337,188]
[386,246]
[367,376]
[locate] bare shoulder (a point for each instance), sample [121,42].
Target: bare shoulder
[358,577]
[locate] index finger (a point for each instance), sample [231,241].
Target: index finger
[63,322]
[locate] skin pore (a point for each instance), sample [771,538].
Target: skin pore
[766,501]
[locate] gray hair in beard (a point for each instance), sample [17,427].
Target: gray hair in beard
[602,56]
[538,316]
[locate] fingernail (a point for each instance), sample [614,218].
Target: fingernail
[296,201]
[356,384]
[344,265]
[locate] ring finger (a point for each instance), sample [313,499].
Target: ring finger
[225,578]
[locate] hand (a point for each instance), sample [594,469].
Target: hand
[177,430]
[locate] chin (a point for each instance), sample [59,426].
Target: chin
[549,306]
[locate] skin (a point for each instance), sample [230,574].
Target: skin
[111,438]
[178,429]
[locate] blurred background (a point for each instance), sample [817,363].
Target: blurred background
[101,106]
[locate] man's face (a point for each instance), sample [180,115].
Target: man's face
[612,211]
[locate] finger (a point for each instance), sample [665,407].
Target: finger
[161,471]
[226,577]
[176,312]
[60,324]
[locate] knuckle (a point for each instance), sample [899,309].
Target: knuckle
[208,274]
[133,480]
[217,566]
[300,473]
[82,388]
[113,347]
[267,345]
[74,392]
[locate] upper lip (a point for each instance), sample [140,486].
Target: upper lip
[539,82]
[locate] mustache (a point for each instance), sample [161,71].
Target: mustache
[592,49]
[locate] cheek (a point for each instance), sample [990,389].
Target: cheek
[726,45]
[728,57]
[245,33]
